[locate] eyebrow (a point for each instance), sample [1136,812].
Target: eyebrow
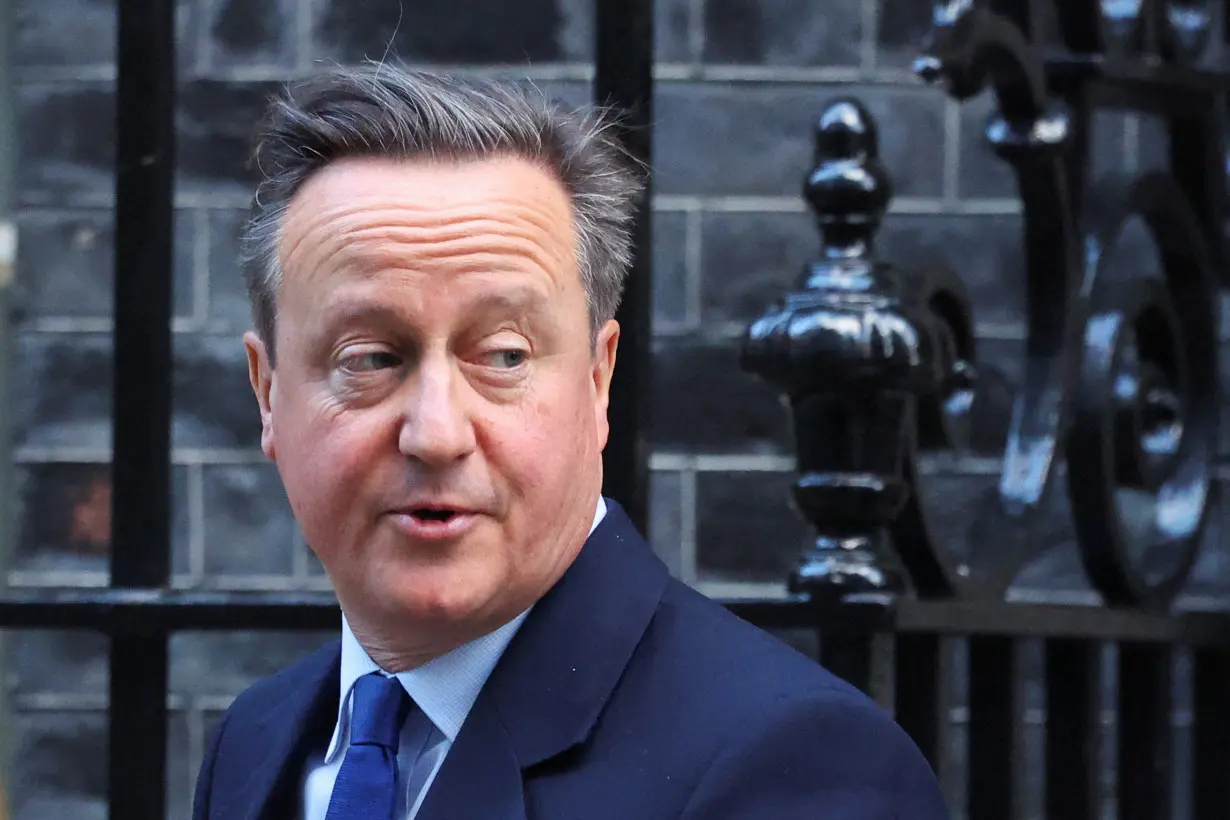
[519,301]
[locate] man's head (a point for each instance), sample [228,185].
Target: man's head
[434,267]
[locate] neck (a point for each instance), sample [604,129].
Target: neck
[395,651]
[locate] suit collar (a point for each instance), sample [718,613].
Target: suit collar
[560,669]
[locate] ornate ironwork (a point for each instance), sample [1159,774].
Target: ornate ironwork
[1145,422]
[973,47]
[857,350]
[1120,372]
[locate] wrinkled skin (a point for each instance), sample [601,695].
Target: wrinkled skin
[433,345]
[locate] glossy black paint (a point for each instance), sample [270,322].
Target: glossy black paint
[1119,384]
[972,48]
[624,78]
[1145,406]
[1073,723]
[1120,377]
[994,727]
[863,357]
[1210,731]
[141,464]
[137,612]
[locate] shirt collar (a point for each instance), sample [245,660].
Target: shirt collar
[444,688]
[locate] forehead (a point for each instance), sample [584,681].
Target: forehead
[371,215]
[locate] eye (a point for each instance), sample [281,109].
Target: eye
[507,359]
[370,361]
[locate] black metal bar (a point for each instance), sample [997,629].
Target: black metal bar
[1161,89]
[801,612]
[141,464]
[993,729]
[1197,144]
[1073,730]
[987,618]
[848,656]
[1061,621]
[1210,734]
[624,78]
[921,673]
[1145,756]
[153,611]
[136,612]
[1076,163]
[144,210]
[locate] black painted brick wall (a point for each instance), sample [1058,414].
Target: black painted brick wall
[740,81]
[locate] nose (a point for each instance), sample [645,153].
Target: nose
[436,428]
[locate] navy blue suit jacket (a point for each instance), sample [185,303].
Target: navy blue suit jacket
[625,696]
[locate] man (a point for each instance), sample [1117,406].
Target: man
[434,268]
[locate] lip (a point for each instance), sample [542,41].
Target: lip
[429,529]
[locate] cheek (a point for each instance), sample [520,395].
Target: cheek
[313,437]
[523,452]
[542,447]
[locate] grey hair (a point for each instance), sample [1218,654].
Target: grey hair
[387,111]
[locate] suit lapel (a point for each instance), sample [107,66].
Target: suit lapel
[281,741]
[561,668]
[481,776]
[559,671]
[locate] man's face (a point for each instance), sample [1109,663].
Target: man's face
[437,413]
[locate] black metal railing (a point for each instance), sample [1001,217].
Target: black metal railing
[1120,385]
[880,369]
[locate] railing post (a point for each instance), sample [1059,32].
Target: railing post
[623,77]
[141,449]
[854,348]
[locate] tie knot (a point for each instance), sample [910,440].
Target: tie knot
[380,708]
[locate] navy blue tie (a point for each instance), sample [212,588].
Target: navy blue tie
[366,785]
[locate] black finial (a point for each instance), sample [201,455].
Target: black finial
[849,189]
[851,356]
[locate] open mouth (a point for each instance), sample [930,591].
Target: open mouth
[434,523]
[434,515]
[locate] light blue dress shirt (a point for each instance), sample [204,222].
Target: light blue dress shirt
[444,690]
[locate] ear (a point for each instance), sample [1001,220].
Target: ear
[260,373]
[603,369]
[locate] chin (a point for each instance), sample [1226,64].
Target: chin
[439,594]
